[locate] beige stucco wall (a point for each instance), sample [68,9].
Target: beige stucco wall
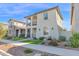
[59,20]
[75,18]
[51,22]
[20,25]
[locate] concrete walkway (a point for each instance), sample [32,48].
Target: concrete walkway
[47,49]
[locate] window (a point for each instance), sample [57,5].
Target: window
[29,22]
[34,32]
[45,31]
[45,16]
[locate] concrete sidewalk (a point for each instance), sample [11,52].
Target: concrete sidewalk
[3,53]
[47,49]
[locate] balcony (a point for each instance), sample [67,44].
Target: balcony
[32,21]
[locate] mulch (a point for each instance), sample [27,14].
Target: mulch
[13,50]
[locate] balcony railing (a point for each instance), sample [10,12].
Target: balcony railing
[34,23]
[28,24]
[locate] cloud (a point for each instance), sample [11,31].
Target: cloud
[16,9]
[12,9]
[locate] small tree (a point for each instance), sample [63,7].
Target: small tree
[3,30]
[74,41]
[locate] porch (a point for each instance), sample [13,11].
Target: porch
[20,32]
[31,33]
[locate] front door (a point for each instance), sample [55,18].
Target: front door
[28,33]
[17,32]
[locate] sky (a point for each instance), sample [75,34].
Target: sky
[18,11]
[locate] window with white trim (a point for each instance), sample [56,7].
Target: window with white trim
[45,16]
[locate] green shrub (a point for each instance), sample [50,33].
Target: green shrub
[49,38]
[28,51]
[17,38]
[8,37]
[35,38]
[43,43]
[74,40]
[22,36]
[3,30]
[62,38]
[41,38]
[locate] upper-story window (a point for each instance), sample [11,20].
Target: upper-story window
[45,16]
[29,21]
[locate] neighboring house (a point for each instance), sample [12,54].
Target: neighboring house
[16,28]
[75,17]
[46,23]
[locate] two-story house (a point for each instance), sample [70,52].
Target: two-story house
[16,28]
[46,23]
[75,17]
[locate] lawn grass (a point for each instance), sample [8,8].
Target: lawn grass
[17,38]
[33,41]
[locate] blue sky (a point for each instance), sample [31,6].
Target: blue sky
[19,10]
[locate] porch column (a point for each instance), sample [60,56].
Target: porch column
[26,28]
[31,33]
[26,32]
[19,32]
[13,31]
[31,29]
